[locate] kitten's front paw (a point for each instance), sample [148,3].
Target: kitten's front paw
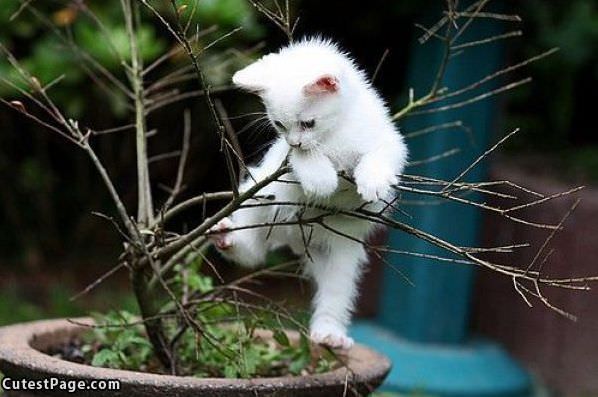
[220,236]
[329,334]
[322,185]
[315,172]
[373,187]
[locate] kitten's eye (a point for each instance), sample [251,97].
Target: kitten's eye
[279,125]
[306,125]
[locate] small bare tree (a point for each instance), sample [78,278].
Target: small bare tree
[152,250]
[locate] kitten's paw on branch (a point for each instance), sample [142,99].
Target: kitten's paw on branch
[221,237]
[374,186]
[315,173]
[322,185]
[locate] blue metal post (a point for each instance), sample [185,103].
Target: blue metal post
[424,328]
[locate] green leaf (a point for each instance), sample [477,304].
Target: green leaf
[303,358]
[230,371]
[200,283]
[304,345]
[299,364]
[105,358]
[281,337]
[251,358]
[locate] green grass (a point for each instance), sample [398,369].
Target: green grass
[19,306]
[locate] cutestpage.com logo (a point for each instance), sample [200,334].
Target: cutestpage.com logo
[69,386]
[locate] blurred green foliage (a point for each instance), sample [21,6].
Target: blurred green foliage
[14,307]
[18,305]
[71,43]
[556,111]
[54,39]
[572,26]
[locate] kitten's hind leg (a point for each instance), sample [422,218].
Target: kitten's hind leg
[220,236]
[336,274]
[246,247]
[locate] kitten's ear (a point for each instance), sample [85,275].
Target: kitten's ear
[252,78]
[325,84]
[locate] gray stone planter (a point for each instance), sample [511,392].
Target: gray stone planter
[20,358]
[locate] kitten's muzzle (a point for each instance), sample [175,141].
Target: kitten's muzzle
[293,138]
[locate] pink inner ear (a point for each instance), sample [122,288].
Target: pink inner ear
[324,84]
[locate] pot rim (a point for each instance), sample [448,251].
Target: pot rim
[16,351]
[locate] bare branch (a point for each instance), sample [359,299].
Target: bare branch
[182,161]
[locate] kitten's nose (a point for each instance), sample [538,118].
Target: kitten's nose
[293,139]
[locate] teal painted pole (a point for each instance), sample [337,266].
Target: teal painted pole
[424,327]
[436,309]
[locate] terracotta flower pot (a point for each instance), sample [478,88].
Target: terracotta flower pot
[21,358]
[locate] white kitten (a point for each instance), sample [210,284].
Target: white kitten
[329,119]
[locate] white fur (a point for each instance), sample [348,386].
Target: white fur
[353,133]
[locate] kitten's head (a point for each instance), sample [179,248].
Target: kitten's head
[302,87]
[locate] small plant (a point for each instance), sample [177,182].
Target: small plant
[192,324]
[233,351]
[240,345]
[122,347]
